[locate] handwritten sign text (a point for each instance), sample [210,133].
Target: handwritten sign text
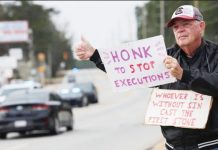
[178,108]
[137,64]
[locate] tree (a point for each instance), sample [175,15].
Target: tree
[151,25]
[46,38]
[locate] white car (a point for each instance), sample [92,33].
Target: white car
[9,88]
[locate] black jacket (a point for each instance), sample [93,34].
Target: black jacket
[200,74]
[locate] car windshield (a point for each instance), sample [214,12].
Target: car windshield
[28,97]
[86,86]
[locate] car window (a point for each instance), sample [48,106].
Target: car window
[58,98]
[85,86]
[28,97]
[54,97]
[8,91]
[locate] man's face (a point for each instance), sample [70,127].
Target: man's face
[187,32]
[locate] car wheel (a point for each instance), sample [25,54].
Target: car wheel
[3,135]
[22,133]
[95,99]
[71,125]
[55,126]
[84,102]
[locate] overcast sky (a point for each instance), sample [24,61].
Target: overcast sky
[103,23]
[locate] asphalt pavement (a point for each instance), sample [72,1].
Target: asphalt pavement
[158,146]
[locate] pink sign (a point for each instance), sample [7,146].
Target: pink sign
[137,64]
[179,108]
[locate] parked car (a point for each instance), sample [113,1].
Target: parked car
[90,90]
[73,94]
[30,110]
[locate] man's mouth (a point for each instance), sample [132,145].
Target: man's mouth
[182,36]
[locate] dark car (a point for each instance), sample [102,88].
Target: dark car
[74,95]
[90,90]
[38,109]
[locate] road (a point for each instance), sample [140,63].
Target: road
[115,123]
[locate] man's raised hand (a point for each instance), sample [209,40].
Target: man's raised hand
[84,49]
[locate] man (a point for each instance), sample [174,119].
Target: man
[193,61]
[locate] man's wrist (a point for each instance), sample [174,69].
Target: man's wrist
[186,76]
[95,55]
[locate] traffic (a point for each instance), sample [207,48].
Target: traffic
[111,118]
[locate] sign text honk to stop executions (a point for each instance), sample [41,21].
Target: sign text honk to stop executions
[137,64]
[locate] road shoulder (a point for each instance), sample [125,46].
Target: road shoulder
[159,146]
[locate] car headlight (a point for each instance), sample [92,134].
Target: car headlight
[76,90]
[65,91]
[2,99]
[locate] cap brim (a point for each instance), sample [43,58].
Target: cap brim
[171,22]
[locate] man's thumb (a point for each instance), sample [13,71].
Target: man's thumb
[83,39]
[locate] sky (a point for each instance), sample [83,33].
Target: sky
[102,23]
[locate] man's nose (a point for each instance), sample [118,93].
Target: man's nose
[180,28]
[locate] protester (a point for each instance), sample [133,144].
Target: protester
[193,61]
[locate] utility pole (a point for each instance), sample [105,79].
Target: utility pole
[49,65]
[30,46]
[144,22]
[162,17]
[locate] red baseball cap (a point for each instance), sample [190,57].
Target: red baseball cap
[188,12]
